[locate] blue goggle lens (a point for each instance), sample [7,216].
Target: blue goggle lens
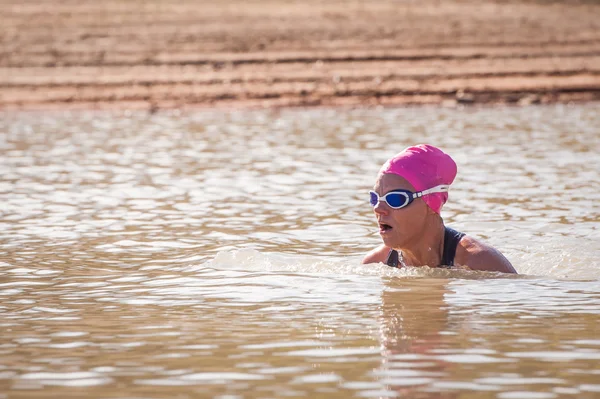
[395,200]
[374,199]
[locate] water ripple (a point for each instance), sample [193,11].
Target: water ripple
[219,253]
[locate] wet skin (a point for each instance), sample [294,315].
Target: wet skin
[418,232]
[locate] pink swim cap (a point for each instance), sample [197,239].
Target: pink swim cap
[424,166]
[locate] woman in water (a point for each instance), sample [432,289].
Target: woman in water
[407,199]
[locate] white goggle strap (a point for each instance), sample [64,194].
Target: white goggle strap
[443,188]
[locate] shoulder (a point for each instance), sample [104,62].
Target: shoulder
[477,255]
[378,255]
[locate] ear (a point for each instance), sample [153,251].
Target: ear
[431,215]
[430,212]
[422,213]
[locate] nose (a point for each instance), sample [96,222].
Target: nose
[381,208]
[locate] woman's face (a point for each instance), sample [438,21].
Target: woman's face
[399,228]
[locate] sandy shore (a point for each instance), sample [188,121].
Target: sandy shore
[236,53]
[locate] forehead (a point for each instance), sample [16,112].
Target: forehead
[388,182]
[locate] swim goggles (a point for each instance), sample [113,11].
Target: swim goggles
[397,199]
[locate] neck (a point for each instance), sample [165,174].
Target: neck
[427,248]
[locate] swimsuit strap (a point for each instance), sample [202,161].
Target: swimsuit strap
[393,259]
[451,240]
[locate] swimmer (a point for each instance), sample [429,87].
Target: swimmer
[407,199]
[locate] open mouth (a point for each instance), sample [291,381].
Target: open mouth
[384,228]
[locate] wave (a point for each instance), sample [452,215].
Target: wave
[556,264]
[252,260]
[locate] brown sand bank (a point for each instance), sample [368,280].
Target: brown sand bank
[164,54]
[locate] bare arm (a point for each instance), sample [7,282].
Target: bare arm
[378,255]
[479,256]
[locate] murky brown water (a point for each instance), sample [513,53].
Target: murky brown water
[217,254]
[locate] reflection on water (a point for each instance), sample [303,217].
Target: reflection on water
[211,253]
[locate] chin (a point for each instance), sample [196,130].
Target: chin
[391,242]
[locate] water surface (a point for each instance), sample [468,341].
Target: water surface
[217,254]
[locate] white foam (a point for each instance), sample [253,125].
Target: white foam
[558,262]
[252,260]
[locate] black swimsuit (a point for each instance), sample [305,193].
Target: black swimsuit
[451,240]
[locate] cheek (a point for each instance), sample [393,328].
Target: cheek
[404,218]
[412,215]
